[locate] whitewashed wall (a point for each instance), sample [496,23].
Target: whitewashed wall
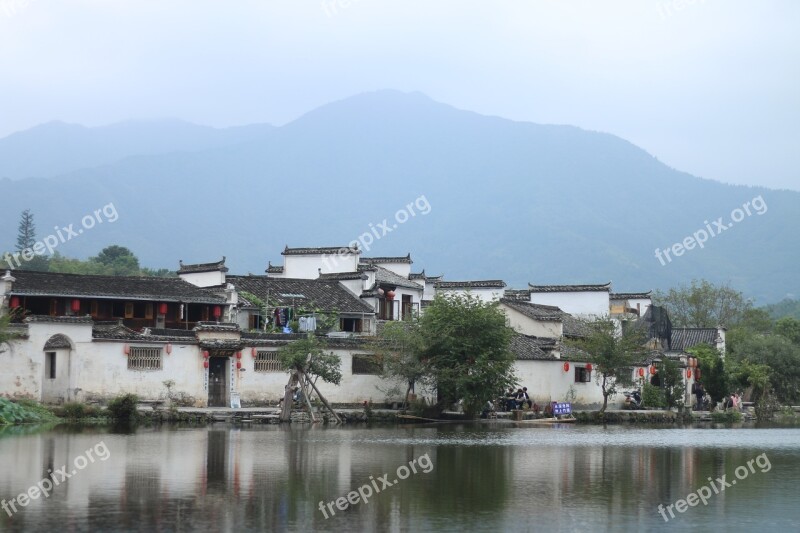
[483,294]
[204,279]
[582,304]
[308,266]
[547,381]
[528,326]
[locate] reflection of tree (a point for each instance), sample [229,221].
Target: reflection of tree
[465,479]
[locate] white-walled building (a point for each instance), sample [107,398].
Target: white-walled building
[583,301]
[485,290]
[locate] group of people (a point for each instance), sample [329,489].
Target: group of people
[731,401]
[516,400]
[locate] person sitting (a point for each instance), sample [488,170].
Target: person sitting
[510,397]
[518,399]
[526,398]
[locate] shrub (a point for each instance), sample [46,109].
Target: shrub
[653,396]
[726,416]
[23,412]
[74,410]
[123,408]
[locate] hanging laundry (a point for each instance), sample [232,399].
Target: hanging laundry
[278,321]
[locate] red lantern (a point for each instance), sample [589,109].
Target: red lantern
[76,306]
[14,301]
[168,347]
[205,354]
[653,370]
[641,372]
[126,349]
[689,373]
[253,351]
[566,366]
[697,374]
[390,295]
[217,311]
[589,367]
[205,363]
[238,355]
[162,309]
[238,364]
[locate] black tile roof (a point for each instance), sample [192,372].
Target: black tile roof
[575,327]
[273,269]
[528,348]
[569,288]
[217,326]
[110,287]
[59,319]
[630,295]
[684,338]
[482,284]
[518,294]
[377,260]
[535,311]
[321,294]
[325,250]
[58,342]
[384,276]
[423,276]
[117,332]
[202,267]
[343,276]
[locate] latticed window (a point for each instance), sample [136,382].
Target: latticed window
[366,364]
[144,358]
[267,362]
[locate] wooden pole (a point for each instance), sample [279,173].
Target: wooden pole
[286,412]
[303,387]
[326,404]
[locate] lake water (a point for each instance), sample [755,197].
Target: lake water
[474,477]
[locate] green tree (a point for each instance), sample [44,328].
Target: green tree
[612,354]
[703,305]
[712,371]
[672,383]
[26,231]
[118,261]
[465,351]
[780,355]
[789,328]
[26,241]
[308,356]
[5,334]
[398,349]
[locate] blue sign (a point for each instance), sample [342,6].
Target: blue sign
[562,408]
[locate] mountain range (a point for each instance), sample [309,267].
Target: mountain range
[514,200]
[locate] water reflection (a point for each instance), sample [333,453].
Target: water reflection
[483,479]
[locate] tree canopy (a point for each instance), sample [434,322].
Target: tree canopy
[465,351]
[703,305]
[613,354]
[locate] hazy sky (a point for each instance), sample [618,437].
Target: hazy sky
[710,87]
